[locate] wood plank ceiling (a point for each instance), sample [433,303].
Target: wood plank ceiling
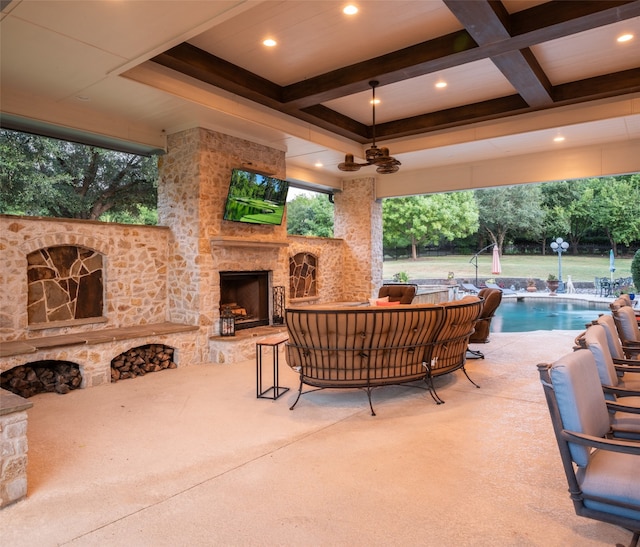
[488,32]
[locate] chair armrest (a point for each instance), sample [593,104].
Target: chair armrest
[621,392]
[630,362]
[612,445]
[627,368]
[619,406]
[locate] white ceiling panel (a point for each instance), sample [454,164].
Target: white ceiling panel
[315,37]
[590,53]
[419,95]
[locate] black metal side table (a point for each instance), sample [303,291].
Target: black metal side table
[276,390]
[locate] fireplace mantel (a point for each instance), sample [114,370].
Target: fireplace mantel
[253,243]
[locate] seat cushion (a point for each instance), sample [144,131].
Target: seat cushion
[613,476]
[627,421]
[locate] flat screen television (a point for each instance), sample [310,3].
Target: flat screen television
[255,198]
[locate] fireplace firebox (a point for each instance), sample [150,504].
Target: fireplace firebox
[246,294]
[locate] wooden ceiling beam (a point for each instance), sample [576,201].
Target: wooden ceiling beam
[490,33]
[489,23]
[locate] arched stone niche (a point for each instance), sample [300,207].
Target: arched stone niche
[65,284]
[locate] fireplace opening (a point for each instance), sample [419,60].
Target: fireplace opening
[42,377]
[246,294]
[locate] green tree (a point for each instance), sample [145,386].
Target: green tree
[310,216]
[568,212]
[510,211]
[425,220]
[48,177]
[615,208]
[635,270]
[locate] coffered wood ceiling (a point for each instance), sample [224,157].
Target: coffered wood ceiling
[518,72]
[490,32]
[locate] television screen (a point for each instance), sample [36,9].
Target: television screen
[255,198]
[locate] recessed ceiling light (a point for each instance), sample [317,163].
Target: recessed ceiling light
[625,37]
[350,9]
[559,138]
[269,42]
[318,164]
[441,84]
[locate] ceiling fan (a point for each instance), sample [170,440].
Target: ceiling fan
[374,155]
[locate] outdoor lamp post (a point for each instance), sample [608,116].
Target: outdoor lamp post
[559,246]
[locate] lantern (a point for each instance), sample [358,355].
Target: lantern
[227,322]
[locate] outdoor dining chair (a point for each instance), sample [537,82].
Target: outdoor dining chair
[602,473]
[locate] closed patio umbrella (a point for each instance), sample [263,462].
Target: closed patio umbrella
[612,263]
[495,266]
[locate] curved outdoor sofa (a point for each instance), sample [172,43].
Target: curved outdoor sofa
[365,347]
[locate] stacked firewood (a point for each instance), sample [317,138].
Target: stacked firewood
[237,310]
[139,361]
[43,376]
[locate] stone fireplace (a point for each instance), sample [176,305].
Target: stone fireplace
[247,295]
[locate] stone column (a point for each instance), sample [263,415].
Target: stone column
[192,189]
[358,220]
[13,447]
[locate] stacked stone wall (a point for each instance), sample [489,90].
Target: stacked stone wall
[135,275]
[329,252]
[193,187]
[358,221]
[13,447]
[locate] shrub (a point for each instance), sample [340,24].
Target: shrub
[635,270]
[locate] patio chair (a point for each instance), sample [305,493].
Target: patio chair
[604,484]
[492,299]
[470,287]
[617,350]
[504,290]
[402,293]
[622,380]
[628,330]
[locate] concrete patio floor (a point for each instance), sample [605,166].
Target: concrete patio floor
[191,457]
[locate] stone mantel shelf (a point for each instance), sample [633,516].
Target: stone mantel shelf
[253,243]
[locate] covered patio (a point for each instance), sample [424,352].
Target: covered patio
[191,457]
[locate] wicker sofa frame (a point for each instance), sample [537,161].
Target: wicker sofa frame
[367,347]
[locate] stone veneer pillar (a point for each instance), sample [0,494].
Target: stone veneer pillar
[13,447]
[358,220]
[192,190]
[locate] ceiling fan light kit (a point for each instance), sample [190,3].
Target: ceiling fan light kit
[374,155]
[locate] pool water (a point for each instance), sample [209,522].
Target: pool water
[530,314]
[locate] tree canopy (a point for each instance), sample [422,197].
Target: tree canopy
[428,220]
[510,210]
[310,216]
[48,177]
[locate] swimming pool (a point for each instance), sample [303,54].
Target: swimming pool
[528,314]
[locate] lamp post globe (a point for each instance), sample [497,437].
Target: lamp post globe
[559,246]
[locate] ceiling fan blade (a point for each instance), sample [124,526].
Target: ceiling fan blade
[348,164]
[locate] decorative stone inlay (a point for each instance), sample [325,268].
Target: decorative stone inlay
[64,283]
[302,275]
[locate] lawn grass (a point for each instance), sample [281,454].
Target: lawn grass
[580,268]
